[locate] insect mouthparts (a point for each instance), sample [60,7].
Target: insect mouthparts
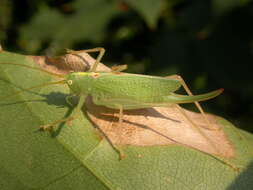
[70,82]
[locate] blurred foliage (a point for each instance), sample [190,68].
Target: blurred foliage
[209,43]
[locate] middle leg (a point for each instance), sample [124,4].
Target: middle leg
[98,59]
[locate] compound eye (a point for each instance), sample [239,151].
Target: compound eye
[70,82]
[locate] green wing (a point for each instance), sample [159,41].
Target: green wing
[161,101]
[132,86]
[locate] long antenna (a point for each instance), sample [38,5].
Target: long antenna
[34,68]
[38,86]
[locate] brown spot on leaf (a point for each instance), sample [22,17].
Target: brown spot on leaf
[160,126]
[145,127]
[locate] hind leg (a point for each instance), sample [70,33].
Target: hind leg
[179,78]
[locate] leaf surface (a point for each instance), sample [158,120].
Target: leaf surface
[76,156]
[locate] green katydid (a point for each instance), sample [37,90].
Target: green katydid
[125,91]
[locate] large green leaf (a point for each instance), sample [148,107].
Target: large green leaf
[75,157]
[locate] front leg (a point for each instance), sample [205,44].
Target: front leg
[72,116]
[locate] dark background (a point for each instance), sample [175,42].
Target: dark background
[208,42]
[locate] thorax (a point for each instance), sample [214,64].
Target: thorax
[80,82]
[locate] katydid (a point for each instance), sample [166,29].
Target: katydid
[125,91]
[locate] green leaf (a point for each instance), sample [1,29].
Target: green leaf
[88,22]
[75,157]
[221,7]
[149,9]
[5,18]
